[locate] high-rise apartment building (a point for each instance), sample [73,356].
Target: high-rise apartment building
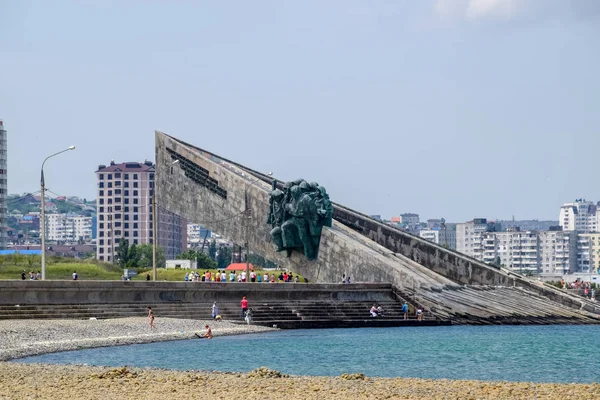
[581,216]
[172,233]
[3,187]
[558,252]
[469,237]
[518,250]
[124,209]
[588,256]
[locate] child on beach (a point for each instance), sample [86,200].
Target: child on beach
[151,318]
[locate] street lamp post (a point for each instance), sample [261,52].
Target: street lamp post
[43,222]
[155,222]
[248,215]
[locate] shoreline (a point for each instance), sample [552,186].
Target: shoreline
[29,337]
[22,338]
[48,381]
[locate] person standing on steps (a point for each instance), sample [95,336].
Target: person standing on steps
[215,310]
[244,304]
[404,310]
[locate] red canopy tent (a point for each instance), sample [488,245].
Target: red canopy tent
[238,267]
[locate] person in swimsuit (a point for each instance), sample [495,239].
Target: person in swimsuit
[208,334]
[151,318]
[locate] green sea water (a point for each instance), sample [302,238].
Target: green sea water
[552,353]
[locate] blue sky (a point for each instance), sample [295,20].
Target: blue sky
[447,108]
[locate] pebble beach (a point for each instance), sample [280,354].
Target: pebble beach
[19,338]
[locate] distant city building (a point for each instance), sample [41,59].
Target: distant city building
[196,235]
[558,252]
[124,211]
[516,250]
[581,216]
[409,219]
[443,237]
[434,223]
[172,233]
[68,228]
[527,225]
[588,252]
[3,187]
[377,217]
[469,237]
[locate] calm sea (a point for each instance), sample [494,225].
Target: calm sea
[560,353]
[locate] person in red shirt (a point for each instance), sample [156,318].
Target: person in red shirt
[244,303]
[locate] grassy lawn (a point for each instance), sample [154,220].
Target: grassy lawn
[62,269]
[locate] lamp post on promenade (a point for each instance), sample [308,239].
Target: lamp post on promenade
[248,215]
[43,227]
[155,221]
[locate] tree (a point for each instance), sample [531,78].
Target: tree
[202,260]
[123,252]
[224,257]
[498,262]
[205,262]
[212,250]
[133,256]
[146,256]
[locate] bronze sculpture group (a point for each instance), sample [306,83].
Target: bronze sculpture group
[297,215]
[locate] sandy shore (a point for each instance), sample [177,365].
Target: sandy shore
[27,337]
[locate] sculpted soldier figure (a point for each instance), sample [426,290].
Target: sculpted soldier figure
[276,215]
[297,215]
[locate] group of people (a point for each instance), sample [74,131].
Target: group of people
[377,311]
[32,276]
[38,277]
[206,335]
[586,287]
[222,276]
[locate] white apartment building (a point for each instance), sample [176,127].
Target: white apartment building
[68,228]
[558,252]
[581,216]
[444,237]
[518,251]
[196,234]
[588,252]
[469,237]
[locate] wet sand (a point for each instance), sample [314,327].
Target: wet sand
[19,381]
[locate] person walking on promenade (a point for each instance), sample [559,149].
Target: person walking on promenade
[215,310]
[404,309]
[75,276]
[151,318]
[147,277]
[23,277]
[244,304]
